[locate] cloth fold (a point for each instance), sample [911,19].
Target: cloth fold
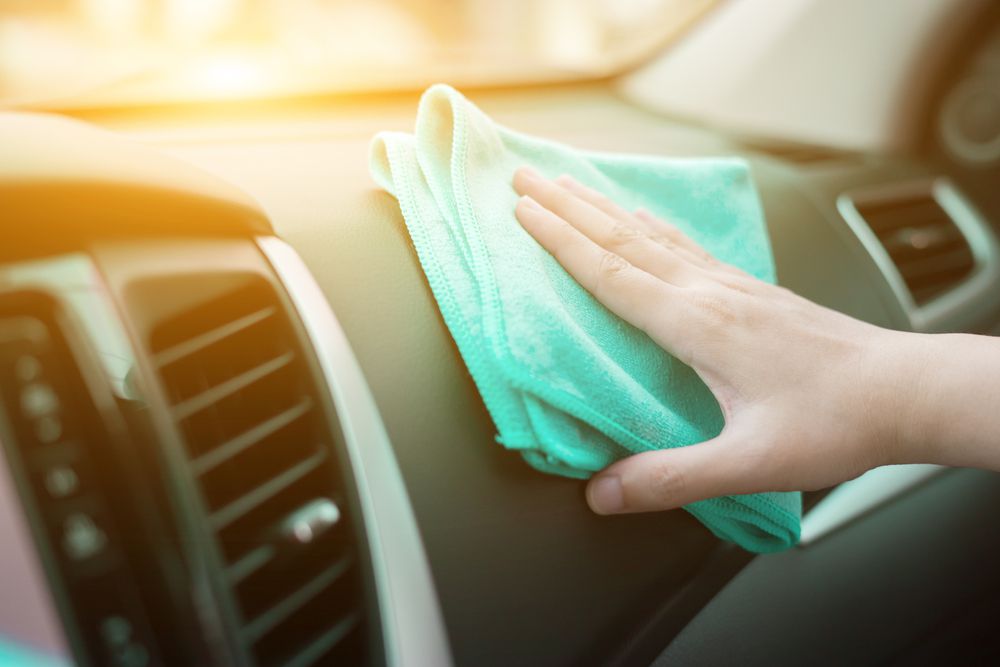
[568,384]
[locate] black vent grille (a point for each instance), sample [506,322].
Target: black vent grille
[259,451]
[929,250]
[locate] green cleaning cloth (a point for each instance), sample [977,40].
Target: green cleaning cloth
[568,384]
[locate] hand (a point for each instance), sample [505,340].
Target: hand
[811,397]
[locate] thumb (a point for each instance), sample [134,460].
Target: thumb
[668,478]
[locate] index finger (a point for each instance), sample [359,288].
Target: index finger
[629,292]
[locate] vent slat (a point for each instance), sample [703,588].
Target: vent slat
[203,400]
[274,616]
[322,644]
[211,337]
[886,217]
[266,491]
[260,454]
[247,439]
[250,563]
[915,270]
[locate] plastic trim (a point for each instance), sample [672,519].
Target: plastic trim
[969,150]
[412,624]
[960,306]
[856,498]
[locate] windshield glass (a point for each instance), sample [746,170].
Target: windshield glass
[80,53]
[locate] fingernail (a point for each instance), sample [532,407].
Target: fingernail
[530,173]
[604,494]
[528,202]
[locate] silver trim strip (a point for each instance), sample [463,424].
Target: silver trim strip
[959,307]
[412,625]
[856,498]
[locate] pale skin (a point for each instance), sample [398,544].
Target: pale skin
[811,397]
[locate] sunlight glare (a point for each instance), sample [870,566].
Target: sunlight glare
[229,75]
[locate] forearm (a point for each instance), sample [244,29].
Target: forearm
[950,410]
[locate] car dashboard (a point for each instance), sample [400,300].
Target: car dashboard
[236,430]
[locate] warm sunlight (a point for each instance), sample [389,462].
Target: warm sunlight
[109,52]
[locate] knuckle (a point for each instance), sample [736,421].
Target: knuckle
[622,235]
[715,308]
[737,283]
[665,240]
[703,254]
[612,266]
[665,485]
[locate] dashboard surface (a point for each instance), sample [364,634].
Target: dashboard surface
[524,571]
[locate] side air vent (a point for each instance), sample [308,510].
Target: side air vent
[923,240]
[261,454]
[802,154]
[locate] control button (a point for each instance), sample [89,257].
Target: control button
[48,429]
[116,630]
[38,400]
[131,655]
[82,538]
[61,481]
[28,368]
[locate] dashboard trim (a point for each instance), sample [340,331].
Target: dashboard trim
[860,496]
[951,310]
[412,623]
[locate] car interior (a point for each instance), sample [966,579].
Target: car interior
[236,430]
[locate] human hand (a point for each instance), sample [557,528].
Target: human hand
[810,396]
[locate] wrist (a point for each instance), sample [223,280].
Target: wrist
[903,404]
[947,399]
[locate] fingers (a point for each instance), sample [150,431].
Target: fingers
[671,236]
[669,478]
[642,220]
[595,199]
[628,291]
[671,233]
[659,231]
[606,229]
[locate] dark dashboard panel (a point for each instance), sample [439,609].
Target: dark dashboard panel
[525,573]
[912,584]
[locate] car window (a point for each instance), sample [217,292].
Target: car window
[64,53]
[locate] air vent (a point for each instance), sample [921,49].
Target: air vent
[928,248]
[802,154]
[261,454]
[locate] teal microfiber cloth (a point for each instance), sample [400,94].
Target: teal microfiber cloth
[568,384]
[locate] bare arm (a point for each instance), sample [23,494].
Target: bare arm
[811,397]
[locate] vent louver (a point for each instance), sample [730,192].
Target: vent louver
[803,154]
[929,250]
[260,452]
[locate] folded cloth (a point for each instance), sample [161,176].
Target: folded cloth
[568,384]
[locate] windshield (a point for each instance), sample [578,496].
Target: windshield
[83,53]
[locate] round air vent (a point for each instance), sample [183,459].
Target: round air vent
[970,121]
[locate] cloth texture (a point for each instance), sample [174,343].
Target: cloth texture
[568,384]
